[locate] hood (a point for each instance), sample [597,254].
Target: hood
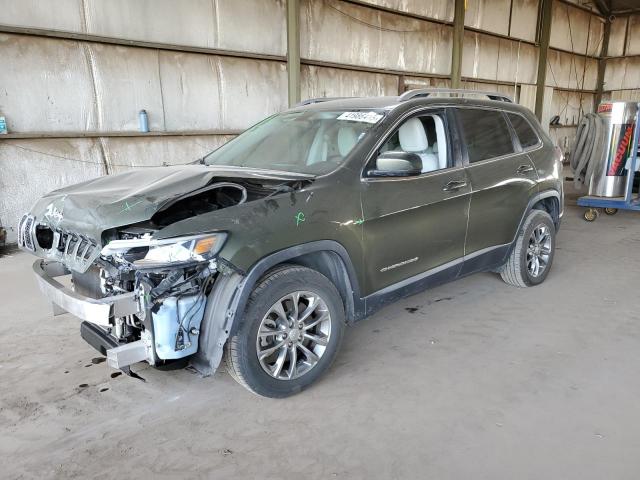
[114,201]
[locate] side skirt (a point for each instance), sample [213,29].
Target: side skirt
[482,261]
[429,279]
[485,260]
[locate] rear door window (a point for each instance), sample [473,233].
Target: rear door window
[485,133]
[525,132]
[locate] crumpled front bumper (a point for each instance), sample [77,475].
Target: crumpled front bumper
[99,311]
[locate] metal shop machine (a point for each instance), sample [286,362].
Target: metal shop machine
[611,186]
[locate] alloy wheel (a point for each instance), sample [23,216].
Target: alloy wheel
[539,250]
[293,335]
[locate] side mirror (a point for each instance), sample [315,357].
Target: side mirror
[397,164]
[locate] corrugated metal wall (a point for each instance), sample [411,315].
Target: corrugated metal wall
[93,64]
[80,70]
[622,77]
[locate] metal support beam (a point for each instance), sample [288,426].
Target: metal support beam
[545,35]
[293,51]
[584,8]
[116,134]
[458,40]
[602,63]
[626,38]
[84,37]
[604,7]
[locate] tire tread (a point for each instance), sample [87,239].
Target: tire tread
[511,273]
[232,351]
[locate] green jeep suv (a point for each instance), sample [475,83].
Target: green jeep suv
[263,250]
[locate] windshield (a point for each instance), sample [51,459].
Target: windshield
[312,142]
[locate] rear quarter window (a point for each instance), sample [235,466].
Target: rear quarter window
[524,131]
[485,133]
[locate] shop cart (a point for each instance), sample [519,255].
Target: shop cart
[629,201]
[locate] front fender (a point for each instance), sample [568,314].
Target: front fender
[230,294]
[217,322]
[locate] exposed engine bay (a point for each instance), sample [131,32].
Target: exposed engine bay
[171,305]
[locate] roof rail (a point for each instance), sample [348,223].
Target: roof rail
[310,101]
[425,92]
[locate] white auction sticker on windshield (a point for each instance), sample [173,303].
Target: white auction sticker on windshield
[366,117]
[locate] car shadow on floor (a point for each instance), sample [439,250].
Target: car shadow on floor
[8,250]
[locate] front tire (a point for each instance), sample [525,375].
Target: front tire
[532,255]
[290,334]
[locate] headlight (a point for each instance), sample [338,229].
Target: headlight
[148,252]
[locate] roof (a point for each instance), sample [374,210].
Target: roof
[425,96]
[348,102]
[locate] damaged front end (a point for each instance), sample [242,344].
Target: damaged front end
[142,297]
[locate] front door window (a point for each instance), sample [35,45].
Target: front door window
[425,136]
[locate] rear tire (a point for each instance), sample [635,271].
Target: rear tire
[303,335]
[532,256]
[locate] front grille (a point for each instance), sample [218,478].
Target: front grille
[78,251]
[20,241]
[25,232]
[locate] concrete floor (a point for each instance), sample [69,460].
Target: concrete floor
[474,379]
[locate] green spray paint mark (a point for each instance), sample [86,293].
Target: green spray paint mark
[127,207]
[299,218]
[359,221]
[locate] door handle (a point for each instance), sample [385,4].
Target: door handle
[524,169]
[454,185]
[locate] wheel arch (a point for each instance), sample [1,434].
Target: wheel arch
[228,299]
[548,201]
[328,257]
[551,205]
[332,266]
[540,201]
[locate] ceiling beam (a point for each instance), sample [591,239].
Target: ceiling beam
[588,9]
[627,11]
[603,6]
